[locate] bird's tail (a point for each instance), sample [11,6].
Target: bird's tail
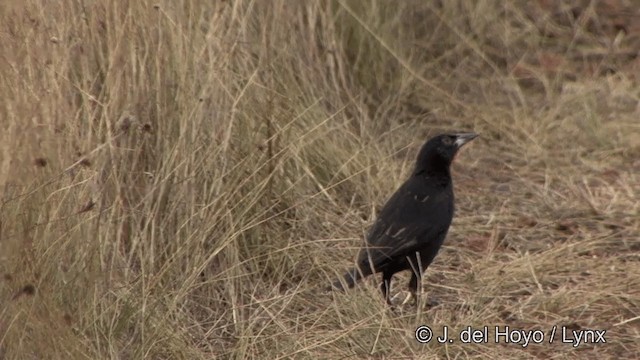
[347,281]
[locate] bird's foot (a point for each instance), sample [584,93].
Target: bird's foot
[402,298]
[410,298]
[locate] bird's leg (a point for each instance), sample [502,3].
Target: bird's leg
[415,286]
[386,286]
[414,283]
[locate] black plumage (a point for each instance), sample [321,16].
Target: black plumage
[413,224]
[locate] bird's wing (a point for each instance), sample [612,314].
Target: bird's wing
[412,218]
[390,247]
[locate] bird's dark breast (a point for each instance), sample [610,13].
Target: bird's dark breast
[434,203]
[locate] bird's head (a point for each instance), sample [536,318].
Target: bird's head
[438,152]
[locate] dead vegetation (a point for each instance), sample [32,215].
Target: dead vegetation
[180,179]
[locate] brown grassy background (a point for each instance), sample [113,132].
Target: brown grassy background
[180,179]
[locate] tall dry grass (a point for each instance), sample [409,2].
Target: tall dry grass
[180,179]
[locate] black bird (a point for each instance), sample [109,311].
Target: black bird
[412,225]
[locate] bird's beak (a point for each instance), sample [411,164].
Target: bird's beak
[464,138]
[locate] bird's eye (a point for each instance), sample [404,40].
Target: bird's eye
[447,140]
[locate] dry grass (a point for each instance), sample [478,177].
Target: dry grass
[180,179]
